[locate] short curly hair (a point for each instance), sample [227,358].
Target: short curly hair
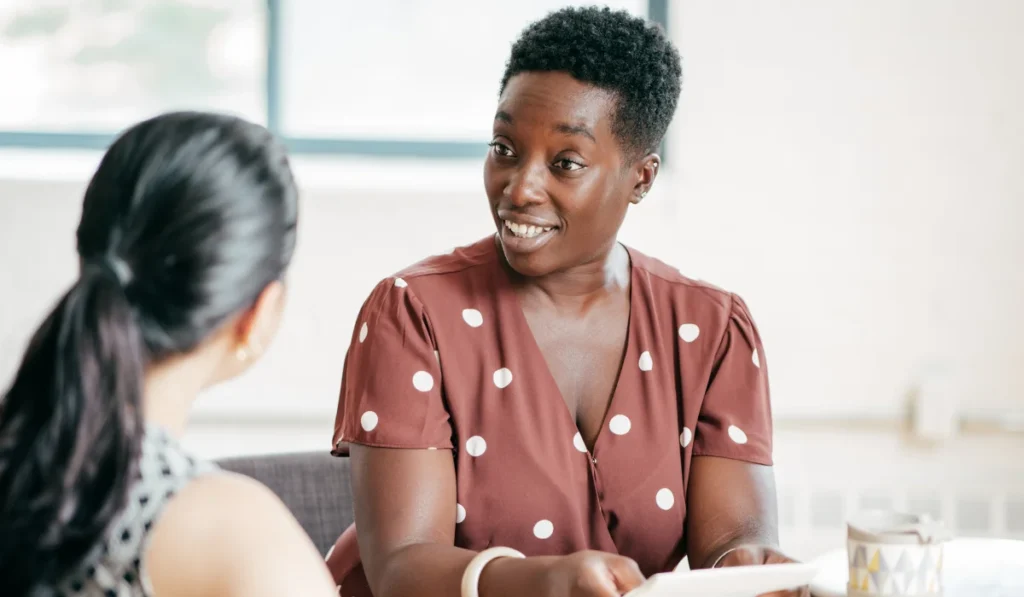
[612,50]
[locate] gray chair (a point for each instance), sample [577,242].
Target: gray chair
[314,486]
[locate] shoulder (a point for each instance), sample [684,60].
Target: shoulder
[668,283]
[222,531]
[459,260]
[223,496]
[462,270]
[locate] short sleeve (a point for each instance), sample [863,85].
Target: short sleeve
[735,419]
[391,388]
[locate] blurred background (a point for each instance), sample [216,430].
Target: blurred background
[853,169]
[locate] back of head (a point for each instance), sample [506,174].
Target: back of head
[187,219]
[612,50]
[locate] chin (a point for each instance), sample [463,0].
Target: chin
[531,265]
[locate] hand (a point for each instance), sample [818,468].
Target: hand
[593,574]
[758,555]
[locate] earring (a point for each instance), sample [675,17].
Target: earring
[242,354]
[644,194]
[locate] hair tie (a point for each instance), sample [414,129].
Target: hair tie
[115,267]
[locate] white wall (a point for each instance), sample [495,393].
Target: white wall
[855,170]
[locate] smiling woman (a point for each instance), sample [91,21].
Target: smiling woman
[547,391]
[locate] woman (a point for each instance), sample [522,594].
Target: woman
[187,228]
[547,391]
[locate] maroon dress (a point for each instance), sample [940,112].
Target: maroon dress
[442,358]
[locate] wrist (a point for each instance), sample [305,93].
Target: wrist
[516,576]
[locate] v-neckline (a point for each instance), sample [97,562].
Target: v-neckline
[520,314]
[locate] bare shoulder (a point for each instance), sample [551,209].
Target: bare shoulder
[226,534]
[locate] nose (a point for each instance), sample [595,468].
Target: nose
[526,185]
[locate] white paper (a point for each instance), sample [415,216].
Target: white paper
[735,581]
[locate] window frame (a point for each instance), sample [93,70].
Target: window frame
[657,11]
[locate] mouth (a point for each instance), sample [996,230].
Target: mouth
[526,230]
[520,237]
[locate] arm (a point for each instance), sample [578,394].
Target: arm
[405,513]
[228,535]
[730,503]
[732,518]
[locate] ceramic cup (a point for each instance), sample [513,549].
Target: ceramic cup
[893,554]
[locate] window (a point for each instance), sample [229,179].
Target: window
[380,77]
[393,69]
[95,65]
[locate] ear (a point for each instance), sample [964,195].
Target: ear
[646,171]
[255,329]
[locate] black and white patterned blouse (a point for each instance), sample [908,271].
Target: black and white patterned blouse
[114,568]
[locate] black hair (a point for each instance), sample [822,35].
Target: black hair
[612,50]
[185,222]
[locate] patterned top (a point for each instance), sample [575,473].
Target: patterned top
[442,357]
[114,568]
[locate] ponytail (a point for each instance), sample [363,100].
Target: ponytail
[70,433]
[197,214]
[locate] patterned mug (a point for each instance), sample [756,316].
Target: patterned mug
[893,554]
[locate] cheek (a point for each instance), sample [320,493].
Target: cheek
[494,180]
[593,202]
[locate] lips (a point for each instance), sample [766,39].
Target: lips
[525,235]
[526,230]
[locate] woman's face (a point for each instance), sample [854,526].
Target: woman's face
[557,178]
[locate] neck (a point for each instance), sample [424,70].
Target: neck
[171,388]
[606,274]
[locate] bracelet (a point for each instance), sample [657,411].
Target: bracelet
[719,559]
[471,577]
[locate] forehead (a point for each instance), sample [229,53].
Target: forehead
[552,99]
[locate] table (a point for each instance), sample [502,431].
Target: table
[971,568]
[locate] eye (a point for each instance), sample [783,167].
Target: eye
[500,149]
[567,164]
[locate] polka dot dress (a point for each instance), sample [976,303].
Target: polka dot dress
[114,568]
[442,357]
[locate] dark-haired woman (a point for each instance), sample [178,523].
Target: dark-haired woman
[548,392]
[187,228]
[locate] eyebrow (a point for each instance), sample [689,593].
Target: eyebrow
[575,129]
[568,129]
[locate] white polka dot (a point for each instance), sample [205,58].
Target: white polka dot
[363,331]
[646,362]
[620,424]
[578,443]
[689,332]
[543,529]
[685,437]
[737,435]
[368,420]
[460,513]
[502,377]
[400,283]
[423,381]
[755,359]
[476,446]
[472,317]
[665,499]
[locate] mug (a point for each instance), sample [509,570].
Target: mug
[894,554]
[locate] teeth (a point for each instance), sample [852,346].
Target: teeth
[524,230]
